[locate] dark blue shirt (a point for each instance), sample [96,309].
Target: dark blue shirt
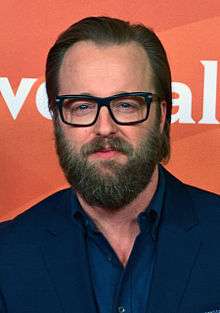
[121,289]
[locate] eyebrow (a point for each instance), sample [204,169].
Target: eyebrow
[89,94]
[85,94]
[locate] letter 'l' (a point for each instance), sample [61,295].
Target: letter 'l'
[209,92]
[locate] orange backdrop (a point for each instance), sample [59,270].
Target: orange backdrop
[190,31]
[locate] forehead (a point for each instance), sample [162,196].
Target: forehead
[123,67]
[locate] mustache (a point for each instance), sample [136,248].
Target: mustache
[110,143]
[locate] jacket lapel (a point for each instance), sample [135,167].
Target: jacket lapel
[178,248]
[64,252]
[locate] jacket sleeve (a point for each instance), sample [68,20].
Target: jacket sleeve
[2,305]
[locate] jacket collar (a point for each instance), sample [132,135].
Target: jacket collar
[64,253]
[178,247]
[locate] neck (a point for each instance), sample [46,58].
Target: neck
[120,227]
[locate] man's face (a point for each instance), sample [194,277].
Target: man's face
[107,163]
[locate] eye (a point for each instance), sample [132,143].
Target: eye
[83,108]
[80,107]
[126,106]
[74,106]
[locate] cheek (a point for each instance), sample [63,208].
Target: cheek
[136,134]
[77,136]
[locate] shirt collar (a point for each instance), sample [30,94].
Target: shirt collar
[151,214]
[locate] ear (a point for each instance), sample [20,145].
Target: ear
[163,108]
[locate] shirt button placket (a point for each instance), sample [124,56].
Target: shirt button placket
[121,309]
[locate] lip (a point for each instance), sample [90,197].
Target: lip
[105,154]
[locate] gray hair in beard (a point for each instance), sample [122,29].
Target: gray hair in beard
[121,183]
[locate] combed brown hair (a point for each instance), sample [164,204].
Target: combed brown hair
[106,30]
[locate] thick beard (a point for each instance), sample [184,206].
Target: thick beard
[120,184]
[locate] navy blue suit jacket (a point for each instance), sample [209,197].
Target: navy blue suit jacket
[44,267]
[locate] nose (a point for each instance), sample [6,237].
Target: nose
[105,125]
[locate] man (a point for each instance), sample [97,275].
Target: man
[127,236]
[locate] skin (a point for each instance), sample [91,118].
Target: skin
[103,71]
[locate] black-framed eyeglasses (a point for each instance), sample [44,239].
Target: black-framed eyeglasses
[125,108]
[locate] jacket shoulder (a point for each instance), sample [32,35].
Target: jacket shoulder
[203,195]
[30,223]
[205,203]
